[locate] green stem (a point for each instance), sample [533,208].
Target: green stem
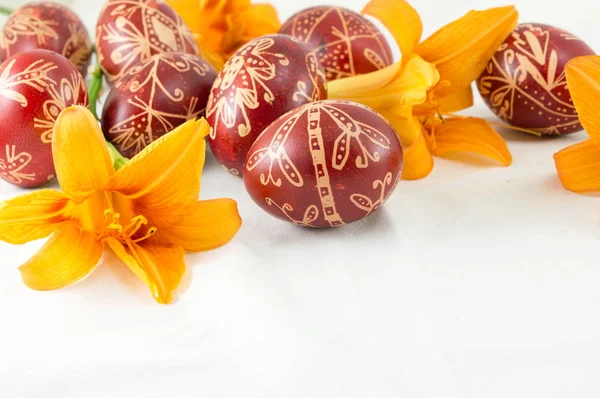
[118,159]
[6,11]
[94,90]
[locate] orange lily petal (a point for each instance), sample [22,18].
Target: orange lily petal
[162,180]
[398,85]
[159,267]
[462,49]
[418,162]
[261,19]
[469,135]
[210,224]
[456,101]
[401,19]
[578,167]
[32,216]
[69,256]
[583,79]
[81,157]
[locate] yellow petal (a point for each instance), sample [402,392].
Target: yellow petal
[407,127]
[68,257]
[462,49]
[401,19]
[81,157]
[32,216]
[398,85]
[159,267]
[456,101]
[261,19]
[418,162]
[164,179]
[578,167]
[469,135]
[583,79]
[210,224]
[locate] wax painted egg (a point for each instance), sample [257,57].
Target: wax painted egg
[155,97]
[525,84]
[131,31]
[346,43]
[325,164]
[49,26]
[35,86]
[264,79]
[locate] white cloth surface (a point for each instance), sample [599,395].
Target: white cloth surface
[478,281]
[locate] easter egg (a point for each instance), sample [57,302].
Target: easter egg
[155,97]
[525,84]
[264,79]
[131,31]
[35,86]
[49,26]
[346,43]
[324,164]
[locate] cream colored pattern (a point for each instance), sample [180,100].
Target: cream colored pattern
[254,69]
[127,133]
[352,132]
[310,215]
[158,34]
[26,23]
[532,54]
[35,76]
[13,163]
[365,203]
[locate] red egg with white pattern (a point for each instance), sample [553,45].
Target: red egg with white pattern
[324,164]
[346,43]
[525,84]
[264,79]
[132,31]
[35,86]
[155,97]
[49,26]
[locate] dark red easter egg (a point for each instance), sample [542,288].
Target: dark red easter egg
[525,84]
[155,97]
[264,79]
[49,26]
[346,43]
[35,86]
[325,164]
[131,31]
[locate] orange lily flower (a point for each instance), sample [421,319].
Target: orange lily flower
[578,165]
[147,212]
[420,94]
[222,26]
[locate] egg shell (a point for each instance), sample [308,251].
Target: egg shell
[132,31]
[49,26]
[325,164]
[345,42]
[264,79]
[35,86]
[525,84]
[155,97]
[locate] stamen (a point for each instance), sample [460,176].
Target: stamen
[112,228]
[150,232]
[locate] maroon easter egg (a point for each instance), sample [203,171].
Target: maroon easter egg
[325,164]
[525,84]
[48,26]
[35,86]
[264,79]
[155,97]
[132,31]
[346,43]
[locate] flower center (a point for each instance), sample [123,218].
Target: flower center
[135,231]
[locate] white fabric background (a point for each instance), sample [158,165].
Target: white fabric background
[476,282]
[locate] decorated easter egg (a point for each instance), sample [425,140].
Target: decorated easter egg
[264,79]
[50,26]
[131,31]
[155,97]
[324,164]
[35,86]
[346,43]
[525,84]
